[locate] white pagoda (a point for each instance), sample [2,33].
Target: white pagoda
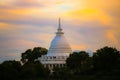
[58,52]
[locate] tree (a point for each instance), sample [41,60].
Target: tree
[31,55]
[10,70]
[33,71]
[106,58]
[77,60]
[61,73]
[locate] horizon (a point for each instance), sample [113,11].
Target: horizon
[88,25]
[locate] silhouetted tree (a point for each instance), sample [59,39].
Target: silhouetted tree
[106,58]
[61,73]
[9,70]
[77,60]
[34,70]
[31,55]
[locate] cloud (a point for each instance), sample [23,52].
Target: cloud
[111,36]
[88,24]
[6,4]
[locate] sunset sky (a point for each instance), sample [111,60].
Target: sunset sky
[88,24]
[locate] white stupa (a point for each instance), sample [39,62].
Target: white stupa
[58,52]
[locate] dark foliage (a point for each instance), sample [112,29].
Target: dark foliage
[13,70]
[61,73]
[10,70]
[106,58]
[30,55]
[34,70]
[104,65]
[78,61]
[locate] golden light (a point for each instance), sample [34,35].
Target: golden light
[63,8]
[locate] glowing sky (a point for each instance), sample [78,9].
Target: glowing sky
[88,24]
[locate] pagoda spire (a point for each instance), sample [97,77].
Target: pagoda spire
[59,27]
[59,24]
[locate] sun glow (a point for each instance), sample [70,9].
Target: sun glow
[67,6]
[63,7]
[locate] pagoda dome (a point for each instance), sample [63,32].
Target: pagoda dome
[59,45]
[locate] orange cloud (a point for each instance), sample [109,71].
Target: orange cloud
[88,15]
[5,27]
[78,47]
[112,38]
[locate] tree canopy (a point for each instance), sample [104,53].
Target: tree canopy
[106,58]
[10,70]
[77,59]
[30,55]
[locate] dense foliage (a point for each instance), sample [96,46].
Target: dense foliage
[13,70]
[79,61]
[10,70]
[30,55]
[106,58]
[103,65]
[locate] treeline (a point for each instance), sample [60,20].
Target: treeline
[103,65]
